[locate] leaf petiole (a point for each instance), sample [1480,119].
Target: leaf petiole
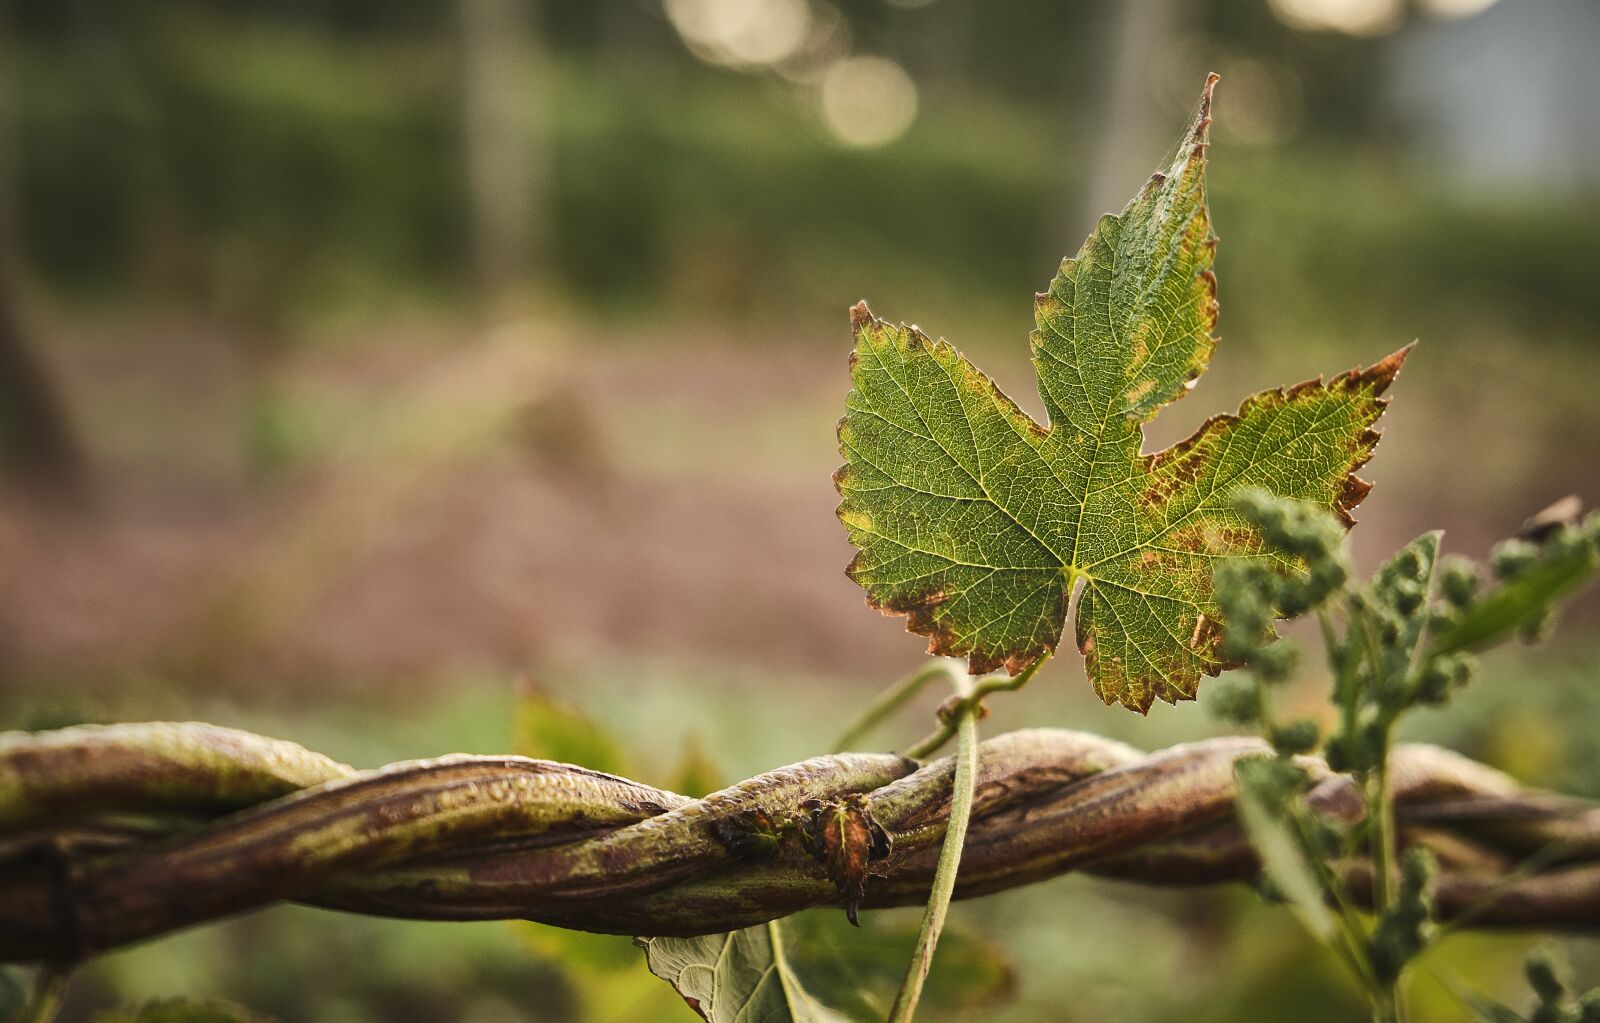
[951,714]
[890,701]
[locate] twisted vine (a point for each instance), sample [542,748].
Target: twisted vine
[115,834]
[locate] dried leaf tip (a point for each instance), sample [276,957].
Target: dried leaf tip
[1381,374]
[1199,133]
[860,315]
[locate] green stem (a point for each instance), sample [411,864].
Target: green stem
[891,700]
[48,991]
[1380,811]
[1388,1006]
[944,878]
[950,715]
[1352,946]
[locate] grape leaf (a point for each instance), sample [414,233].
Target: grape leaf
[979,524]
[736,977]
[859,969]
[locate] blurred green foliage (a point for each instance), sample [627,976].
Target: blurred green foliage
[295,169]
[281,171]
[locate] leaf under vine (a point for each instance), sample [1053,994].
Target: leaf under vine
[738,977]
[978,523]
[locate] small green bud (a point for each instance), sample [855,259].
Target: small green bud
[1458,580]
[1433,688]
[1407,596]
[1408,564]
[1325,578]
[1543,977]
[1294,598]
[1442,616]
[1274,779]
[1589,1007]
[1402,933]
[1537,627]
[1275,663]
[1368,749]
[1388,628]
[1443,676]
[1296,737]
[1337,752]
[1417,870]
[1235,701]
[1511,557]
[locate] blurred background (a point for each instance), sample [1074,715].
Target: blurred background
[401,377]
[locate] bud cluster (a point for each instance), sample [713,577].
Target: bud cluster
[1554,1002]
[1405,638]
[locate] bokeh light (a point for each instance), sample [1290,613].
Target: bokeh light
[868,101]
[1455,8]
[749,33]
[1349,17]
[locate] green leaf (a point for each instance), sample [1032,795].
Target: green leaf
[548,729]
[184,1010]
[696,775]
[601,954]
[741,976]
[1497,615]
[1412,565]
[978,524]
[1264,812]
[858,969]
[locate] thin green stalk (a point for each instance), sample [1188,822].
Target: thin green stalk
[950,715]
[48,991]
[1389,1006]
[1380,810]
[891,700]
[1350,944]
[1529,867]
[944,878]
[1353,946]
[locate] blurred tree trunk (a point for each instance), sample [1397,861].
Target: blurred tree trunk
[1135,34]
[40,446]
[504,141]
[37,441]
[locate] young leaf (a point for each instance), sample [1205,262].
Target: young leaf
[738,976]
[978,524]
[1497,615]
[1406,579]
[1262,811]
